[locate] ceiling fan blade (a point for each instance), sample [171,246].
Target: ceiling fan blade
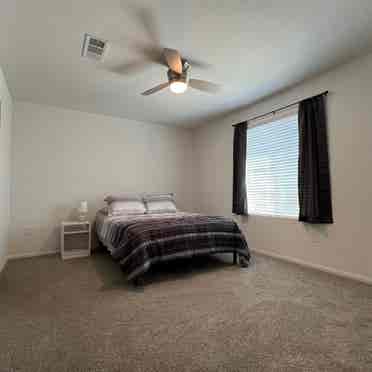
[130,67]
[147,20]
[204,85]
[173,59]
[155,89]
[197,63]
[150,52]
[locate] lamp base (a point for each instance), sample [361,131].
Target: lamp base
[82,217]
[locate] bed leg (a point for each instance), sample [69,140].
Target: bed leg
[235,258]
[138,281]
[243,262]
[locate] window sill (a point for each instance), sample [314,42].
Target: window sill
[292,218]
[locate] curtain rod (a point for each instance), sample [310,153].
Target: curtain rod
[283,108]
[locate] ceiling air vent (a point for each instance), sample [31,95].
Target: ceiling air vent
[93,47]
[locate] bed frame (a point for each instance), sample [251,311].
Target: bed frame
[139,280]
[237,258]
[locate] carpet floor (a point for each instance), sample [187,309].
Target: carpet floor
[199,315]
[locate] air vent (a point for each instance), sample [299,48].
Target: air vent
[93,47]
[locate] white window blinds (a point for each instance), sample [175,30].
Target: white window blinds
[272,168]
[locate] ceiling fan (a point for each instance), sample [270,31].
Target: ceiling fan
[179,76]
[179,67]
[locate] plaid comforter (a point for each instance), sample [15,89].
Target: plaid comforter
[137,242]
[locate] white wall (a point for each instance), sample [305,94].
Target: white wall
[63,156]
[344,246]
[5,167]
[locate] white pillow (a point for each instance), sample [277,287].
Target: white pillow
[160,206]
[119,207]
[158,196]
[122,197]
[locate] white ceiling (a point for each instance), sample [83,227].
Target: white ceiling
[255,47]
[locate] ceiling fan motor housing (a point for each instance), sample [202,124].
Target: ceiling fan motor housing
[184,77]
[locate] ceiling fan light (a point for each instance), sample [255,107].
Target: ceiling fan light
[178,87]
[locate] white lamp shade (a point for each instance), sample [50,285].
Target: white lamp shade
[83,206]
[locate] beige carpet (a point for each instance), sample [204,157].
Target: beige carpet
[80,315]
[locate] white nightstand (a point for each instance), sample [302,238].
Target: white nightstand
[75,239]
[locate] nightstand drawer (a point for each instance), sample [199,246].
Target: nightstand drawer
[76,242]
[76,228]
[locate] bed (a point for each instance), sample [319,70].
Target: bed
[139,241]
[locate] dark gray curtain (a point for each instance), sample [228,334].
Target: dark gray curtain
[314,186]
[240,155]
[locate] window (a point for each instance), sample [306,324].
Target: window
[272,168]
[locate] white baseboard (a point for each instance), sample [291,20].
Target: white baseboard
[326,269]
[14,256]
